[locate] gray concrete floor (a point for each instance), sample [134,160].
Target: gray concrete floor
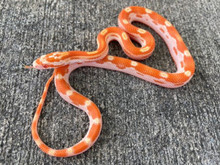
[142,123]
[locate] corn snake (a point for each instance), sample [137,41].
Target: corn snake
[64,63]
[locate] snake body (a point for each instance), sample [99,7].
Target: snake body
[65,62]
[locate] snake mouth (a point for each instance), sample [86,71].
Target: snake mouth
[37,64]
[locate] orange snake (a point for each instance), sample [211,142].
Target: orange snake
[65,62]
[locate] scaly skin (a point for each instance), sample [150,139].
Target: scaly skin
[65,62]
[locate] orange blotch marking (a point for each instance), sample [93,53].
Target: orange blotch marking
[103,60]
[157,18]
[39,109]
[94,132]
[121,66]
[100,62]
[35,135]
[177,78]
[102,45]
[155,22]
[138,15]
[80,147]
[60,153]
[101,38]
[146,70]
[138,10]
[62,70]
[77,98]
[181,64]
[120,63]
[114,35]
[62,86]
[175,50]
[34,124]
[162,30]
[189,64]
[94,111]
[34,132]
[44,93]
[44,148]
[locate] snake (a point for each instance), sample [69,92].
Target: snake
[65,62]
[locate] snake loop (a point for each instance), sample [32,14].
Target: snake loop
[65,62]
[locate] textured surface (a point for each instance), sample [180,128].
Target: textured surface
[142,123]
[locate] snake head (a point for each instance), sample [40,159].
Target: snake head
[59,59]
[52,60]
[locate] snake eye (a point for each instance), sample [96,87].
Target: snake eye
[44,66]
